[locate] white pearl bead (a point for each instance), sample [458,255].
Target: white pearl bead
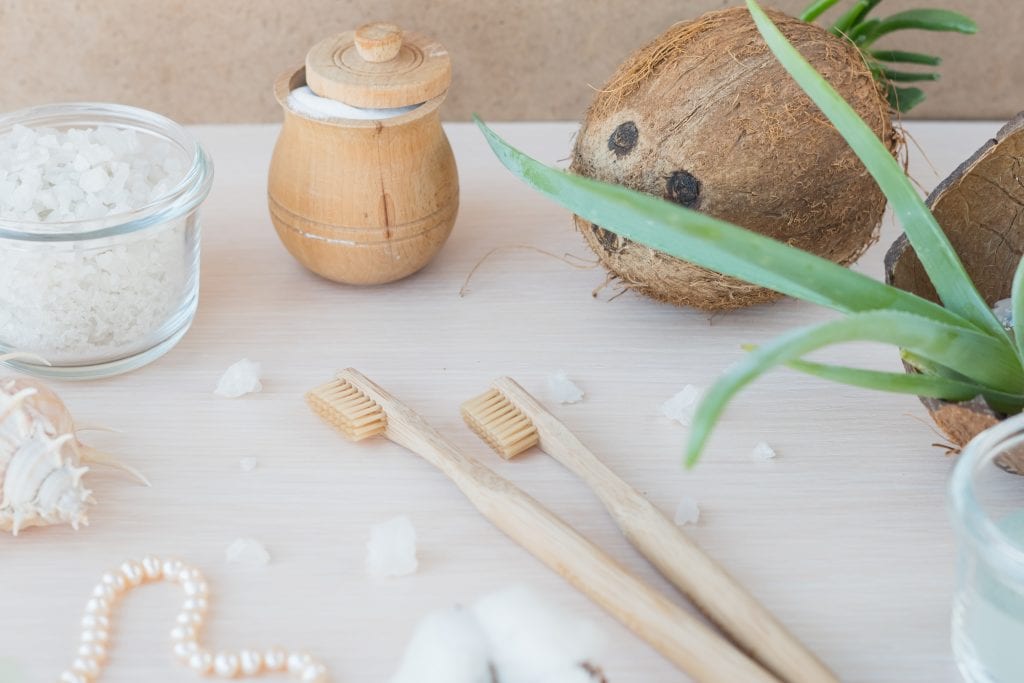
[201,661]
[152,567]
[226,664]
[96,621]
[196,588]
[179,633]
[298,661]
[189,619]
[132,572]
[195,604]
[188,574]
[97,651]
[115,580]
[184,649]
[314,673]
[105,591]
[171,569]
[95,635]
[250,662]
[275,659]
[99,607]
[86,667]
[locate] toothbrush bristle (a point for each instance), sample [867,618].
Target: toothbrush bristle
[352,412]
[500,423]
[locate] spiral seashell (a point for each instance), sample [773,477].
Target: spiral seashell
[42,462]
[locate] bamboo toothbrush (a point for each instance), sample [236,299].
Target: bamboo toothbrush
[512,421]
[361,409]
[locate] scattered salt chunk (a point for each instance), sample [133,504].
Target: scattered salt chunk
[240,379]
[762,452]
[1004,312]
[563,389]
[391,550]
[248,464]
[247,551]
[448,646]
[687,512]
[683,405]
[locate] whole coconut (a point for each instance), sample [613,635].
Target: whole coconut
[706,117]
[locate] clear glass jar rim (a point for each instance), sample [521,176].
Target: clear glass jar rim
[188,193]
[969,516]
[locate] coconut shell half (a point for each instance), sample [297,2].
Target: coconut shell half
[981,209]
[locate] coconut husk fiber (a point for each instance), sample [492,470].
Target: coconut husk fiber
[706,117]
[981,209]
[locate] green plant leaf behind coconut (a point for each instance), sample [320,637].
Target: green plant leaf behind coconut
[904,57]
[1017,308]
[940,261]
[816,9]
[924,20]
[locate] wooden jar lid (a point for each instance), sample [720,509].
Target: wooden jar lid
[378,66]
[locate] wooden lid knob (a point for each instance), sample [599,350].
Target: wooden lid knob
[378,42]
[378,66]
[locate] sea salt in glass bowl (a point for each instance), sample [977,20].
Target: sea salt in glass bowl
[987,506]
[99,296]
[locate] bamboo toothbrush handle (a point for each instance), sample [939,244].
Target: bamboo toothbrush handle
[723,599]
[675,633]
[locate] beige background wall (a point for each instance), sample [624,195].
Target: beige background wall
[215,60]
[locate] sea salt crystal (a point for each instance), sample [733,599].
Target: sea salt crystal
[1004,312]
[391,550]
[683,405]
[248,552]
[563,389]
[687,512]
[762,452]
[306,102]
[248,464]
[93,301]
[240,379]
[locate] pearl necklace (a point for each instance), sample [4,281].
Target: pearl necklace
[95,638]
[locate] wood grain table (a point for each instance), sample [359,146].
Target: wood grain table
[844,536]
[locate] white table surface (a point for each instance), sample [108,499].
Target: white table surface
[844,536]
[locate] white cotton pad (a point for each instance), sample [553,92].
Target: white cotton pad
[306,102]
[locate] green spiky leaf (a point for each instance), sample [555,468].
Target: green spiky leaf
[903,57]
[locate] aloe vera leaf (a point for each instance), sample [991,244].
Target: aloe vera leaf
[908,76]
[904,57]
[713,243]
[861,32]
[924,20]
[903,99]
[854,16]
[940,260]
[1017,307]
[904,383]
[981,357]
[816,9]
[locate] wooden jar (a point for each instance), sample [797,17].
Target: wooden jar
[366,201]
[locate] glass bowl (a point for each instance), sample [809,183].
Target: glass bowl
[101,296]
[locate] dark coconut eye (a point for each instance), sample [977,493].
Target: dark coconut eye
[682,187]
[623,138]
